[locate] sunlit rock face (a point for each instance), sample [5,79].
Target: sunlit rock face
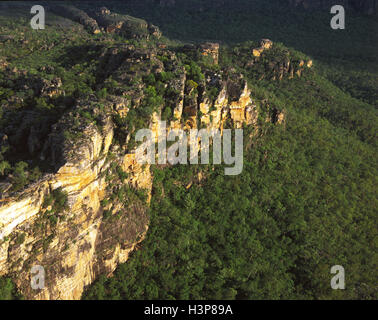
[95,231]
[210,49]
[85,217]
[265,44]
[82,244]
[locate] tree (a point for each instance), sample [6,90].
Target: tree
[8,289]
[4,167]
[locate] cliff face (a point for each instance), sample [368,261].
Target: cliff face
[95,231]
[78,243]
[85,218]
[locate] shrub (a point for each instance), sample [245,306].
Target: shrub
[5,167]
[106,214]
[8,289]
[121,174]
[19,177]
[102,94]
[20,238]
[60,199]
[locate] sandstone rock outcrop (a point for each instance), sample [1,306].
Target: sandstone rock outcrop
[265,44]
[103,20]
[127,26]
[93,234]
[269,61]
[78,243]
[84,217]
[77,15]
[210,49]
